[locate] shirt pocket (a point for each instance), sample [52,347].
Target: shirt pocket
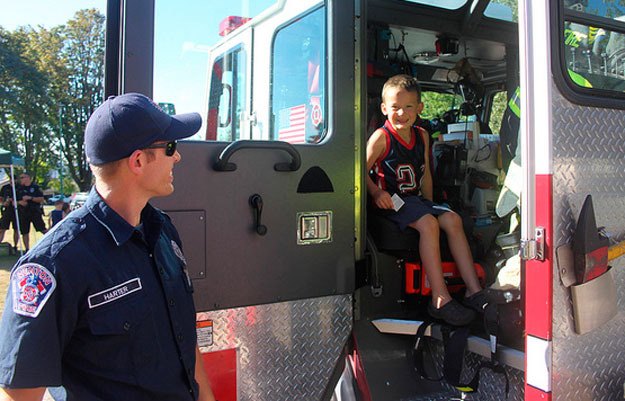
[123,335]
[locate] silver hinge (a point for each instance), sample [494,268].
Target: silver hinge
[534,248]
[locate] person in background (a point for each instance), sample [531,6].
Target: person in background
[103,304]
[8,213]
[30,208]
[57,214]
[65,209]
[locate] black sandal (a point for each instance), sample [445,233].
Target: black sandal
[452,313]
[478,301]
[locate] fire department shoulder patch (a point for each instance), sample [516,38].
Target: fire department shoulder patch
[32,285]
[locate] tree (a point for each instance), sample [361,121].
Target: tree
[24,125]
[83,54]
[50,82]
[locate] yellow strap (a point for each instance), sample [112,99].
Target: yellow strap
[514,103]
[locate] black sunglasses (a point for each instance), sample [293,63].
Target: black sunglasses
[170,147]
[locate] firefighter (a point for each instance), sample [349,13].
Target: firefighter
[103,305]
[30,208]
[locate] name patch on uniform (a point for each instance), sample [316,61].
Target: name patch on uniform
[32,286]
[114,293]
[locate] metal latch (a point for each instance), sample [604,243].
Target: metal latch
[534,249]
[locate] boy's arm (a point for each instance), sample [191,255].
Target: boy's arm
[426,183]
[376,146]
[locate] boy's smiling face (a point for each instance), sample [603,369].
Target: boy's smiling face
[401,107]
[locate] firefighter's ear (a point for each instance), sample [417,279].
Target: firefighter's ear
[136,161]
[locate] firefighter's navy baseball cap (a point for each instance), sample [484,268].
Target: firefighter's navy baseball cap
[125,123]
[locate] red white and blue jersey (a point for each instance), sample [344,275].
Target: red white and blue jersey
[401,167]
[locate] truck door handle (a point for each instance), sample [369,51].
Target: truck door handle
[256,201]
[223,161]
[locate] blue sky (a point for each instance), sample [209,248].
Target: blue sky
[184,35]
[48,13]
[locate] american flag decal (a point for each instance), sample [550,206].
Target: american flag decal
[292,124]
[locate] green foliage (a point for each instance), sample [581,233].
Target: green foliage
[500,102]
[69,186]
[437,103]
[50,82]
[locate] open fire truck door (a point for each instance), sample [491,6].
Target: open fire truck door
[265,206]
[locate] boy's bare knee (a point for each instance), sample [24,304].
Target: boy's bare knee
[450,221]
[426,224]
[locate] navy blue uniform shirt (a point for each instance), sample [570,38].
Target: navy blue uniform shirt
[32,190]
[103,309]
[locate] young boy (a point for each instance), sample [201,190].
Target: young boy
[57,214]
[399,153]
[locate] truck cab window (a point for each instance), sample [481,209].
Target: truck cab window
[594,54]
[298,100]
[226,97]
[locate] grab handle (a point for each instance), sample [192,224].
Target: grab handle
[223,161]
[256,202]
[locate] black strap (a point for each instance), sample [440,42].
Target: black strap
[455,342]
[419,352]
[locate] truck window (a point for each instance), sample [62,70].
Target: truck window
[593,41]
[506,10]
[226,96]
[436,104]
[498,107]
[298,84]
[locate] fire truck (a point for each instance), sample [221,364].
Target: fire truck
[301,292]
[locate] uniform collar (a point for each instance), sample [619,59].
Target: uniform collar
[119,228]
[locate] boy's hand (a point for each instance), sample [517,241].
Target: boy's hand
[382,199]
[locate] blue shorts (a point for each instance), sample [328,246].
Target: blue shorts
[413,209]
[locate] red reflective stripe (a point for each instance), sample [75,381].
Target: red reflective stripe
[359,372]
[539,274]
[539,280]
[534,394]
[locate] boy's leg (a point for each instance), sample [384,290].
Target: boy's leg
[429,249]
[451,224]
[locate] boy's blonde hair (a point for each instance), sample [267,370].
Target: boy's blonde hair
[402,81]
